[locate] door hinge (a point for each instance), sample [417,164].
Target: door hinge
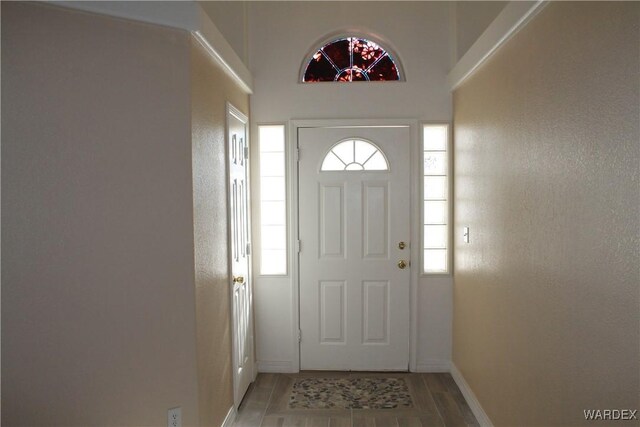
[246,152]
[298,154]
[299,335]
[248,248]
[298,246]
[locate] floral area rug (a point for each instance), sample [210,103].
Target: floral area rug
[350,393]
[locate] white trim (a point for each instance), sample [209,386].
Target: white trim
[278,366]
[184,15]
[512,19]
[433,366]
[414,248]
[221,51]
[292,145]
[291,157]
[470,397]
[230,418]
[231,109]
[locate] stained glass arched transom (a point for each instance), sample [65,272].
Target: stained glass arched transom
[350,59]
[354,155]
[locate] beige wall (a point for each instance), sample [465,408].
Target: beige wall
[98,326]
[546,300]
[210,90]
[112,173]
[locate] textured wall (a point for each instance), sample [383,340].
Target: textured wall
[546,298]
[210,90]
[98,322]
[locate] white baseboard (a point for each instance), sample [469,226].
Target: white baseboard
[276,366]
[230,418]
[433,366]
[470,397]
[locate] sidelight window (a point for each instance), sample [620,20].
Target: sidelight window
[436,199]
[273,218]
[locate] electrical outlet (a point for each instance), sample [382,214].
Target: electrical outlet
[174,417]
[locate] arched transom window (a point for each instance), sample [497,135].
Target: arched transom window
[354,155]
[350,59]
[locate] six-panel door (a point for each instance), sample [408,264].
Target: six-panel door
[242,319]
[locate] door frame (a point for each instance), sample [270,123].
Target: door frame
[232,111]
[414,214]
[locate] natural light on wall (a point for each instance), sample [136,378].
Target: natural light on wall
[273,219]
[436,197]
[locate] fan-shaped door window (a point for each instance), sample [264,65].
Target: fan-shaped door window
[351,59]
[355,155]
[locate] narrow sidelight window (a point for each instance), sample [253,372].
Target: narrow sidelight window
[435,243]
[273,201]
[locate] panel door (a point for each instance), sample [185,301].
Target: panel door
[242,310]
[354,298]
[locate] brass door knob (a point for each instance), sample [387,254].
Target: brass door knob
[402,264]
[238,279]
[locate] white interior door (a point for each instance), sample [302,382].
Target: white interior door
[354,297]
[242,309]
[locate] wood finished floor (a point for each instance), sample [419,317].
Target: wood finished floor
[437,402]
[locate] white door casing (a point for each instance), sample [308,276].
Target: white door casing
[239,255]
[354,299]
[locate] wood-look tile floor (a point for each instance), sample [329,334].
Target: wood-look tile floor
[436,397]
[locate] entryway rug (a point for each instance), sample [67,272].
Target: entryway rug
[350,393]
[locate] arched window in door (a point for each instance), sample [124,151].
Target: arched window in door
[351,59]
[354,155]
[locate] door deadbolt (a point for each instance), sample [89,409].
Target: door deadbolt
[402,245]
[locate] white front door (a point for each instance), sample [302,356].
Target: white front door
[353,216]
[242,309]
